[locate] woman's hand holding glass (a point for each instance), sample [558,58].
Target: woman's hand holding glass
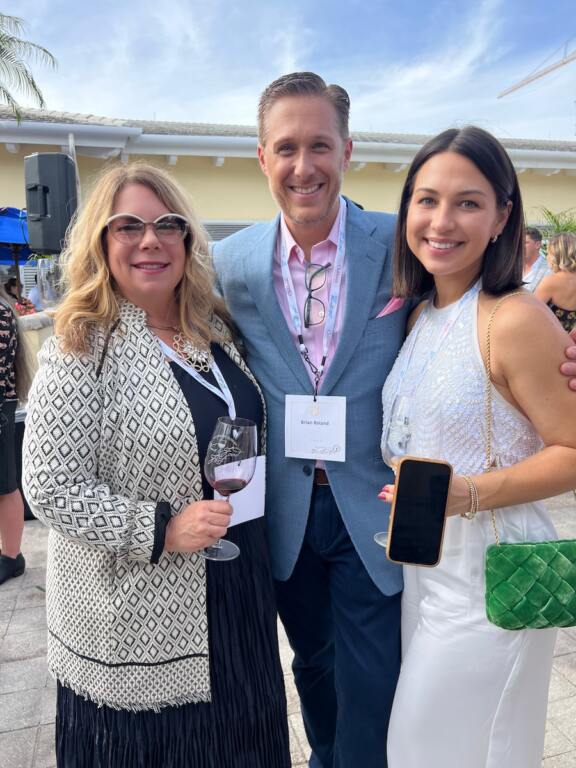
[229,466]
[394,446]
[199,525]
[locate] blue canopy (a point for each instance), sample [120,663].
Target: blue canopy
[13,235]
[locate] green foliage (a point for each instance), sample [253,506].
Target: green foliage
[14,71]
[565,221]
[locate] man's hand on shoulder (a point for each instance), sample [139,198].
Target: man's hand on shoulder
[569,368]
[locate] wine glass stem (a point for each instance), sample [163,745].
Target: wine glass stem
[217,544]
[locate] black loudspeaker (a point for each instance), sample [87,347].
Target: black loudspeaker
[50,179]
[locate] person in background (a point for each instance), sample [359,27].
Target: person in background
[20,304]
[34,295]
[558,289]
[163,660]
[11,288]
[535,265]
[14,382]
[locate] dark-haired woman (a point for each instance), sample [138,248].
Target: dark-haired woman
[11,386]
[471,694]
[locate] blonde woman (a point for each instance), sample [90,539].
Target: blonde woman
[162,659]
[558,290]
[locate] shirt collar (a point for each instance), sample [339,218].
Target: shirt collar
[291,243]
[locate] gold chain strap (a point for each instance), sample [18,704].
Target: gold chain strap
[488,401]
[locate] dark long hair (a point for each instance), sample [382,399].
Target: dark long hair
[503,260]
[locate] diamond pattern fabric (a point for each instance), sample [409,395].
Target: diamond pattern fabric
[99,454]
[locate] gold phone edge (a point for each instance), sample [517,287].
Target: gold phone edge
[393,510]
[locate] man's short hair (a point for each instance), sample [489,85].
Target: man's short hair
[534,234]
[303,84]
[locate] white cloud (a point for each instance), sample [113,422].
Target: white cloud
[426,85]
[291,45]
[458,82]
[208,62]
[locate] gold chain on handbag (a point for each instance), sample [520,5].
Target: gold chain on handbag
[488,400]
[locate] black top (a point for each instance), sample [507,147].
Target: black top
[566,316]
[206,407]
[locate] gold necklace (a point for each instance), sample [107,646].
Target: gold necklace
[199,358]
[164,327]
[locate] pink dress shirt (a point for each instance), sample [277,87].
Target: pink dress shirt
[322,253]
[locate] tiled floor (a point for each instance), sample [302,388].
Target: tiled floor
[27,692]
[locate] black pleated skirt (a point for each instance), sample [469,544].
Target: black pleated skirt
[244,726]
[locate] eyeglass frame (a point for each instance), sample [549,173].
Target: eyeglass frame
[307,284]
[184,232]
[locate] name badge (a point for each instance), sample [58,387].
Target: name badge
[248,503]
[315,429]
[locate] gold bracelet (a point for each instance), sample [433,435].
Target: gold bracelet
[471,513]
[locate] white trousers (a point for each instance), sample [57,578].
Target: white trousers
[470,695]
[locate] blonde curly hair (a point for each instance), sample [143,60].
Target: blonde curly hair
[562,252]
[90,298]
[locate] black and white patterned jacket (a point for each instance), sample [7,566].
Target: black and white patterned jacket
[108,435]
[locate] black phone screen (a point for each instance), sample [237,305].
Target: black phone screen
[419,511]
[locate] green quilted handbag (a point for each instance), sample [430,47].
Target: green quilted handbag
[529,585]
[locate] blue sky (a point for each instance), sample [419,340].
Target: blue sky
[410,66]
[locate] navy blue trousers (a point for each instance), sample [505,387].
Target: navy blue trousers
[345,635]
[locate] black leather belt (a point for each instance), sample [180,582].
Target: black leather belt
[320,477]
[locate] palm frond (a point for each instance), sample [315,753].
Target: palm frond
[15,73]
[563,221]
[13,24]
[24,49]
[7,98]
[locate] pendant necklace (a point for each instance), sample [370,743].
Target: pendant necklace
[199,358]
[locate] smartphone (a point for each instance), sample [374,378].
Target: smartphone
[418,513]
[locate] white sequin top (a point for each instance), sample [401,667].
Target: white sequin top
[448,422]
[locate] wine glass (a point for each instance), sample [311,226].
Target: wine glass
[395,445]
[229,466]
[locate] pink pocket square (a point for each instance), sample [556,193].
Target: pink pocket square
[393,305]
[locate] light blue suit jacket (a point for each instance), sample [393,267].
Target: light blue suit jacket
[366,351]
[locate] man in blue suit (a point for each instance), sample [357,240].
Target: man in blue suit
[311,295]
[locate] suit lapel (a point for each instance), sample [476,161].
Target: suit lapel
[365,257]
[259,281]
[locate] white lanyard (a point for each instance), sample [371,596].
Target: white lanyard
[223,393]
[333,299]
[410,389]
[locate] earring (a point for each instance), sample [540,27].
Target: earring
[493,239]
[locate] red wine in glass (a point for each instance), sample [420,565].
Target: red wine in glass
[229,466]
[225,487]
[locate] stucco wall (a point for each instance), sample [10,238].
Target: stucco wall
[238,191]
